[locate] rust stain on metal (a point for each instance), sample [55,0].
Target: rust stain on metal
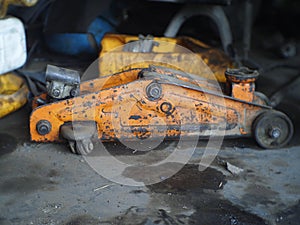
[186,106]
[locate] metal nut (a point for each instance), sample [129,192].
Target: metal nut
[275,133]
[43,127]
[154,91]
[74,92]
[56,92]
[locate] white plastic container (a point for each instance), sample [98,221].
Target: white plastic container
[12,44]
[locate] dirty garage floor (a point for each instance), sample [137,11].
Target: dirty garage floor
[46,184]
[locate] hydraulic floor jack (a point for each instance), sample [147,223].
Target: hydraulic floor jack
[151,103]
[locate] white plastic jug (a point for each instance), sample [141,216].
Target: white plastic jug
[12,44]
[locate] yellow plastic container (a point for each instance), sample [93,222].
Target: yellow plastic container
[120,52]
[13,93]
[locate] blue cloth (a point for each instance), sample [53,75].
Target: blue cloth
[80,43]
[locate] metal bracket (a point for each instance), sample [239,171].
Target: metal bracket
[214,12]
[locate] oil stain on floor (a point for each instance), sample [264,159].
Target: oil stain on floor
[7,144]
[189,197]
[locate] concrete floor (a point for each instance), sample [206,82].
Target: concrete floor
[46,184]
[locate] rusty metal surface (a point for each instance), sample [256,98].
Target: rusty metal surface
[153,102]
[62,83]
[242,82]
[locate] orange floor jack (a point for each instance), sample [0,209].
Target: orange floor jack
[153,102]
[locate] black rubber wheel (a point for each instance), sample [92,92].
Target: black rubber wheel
[272,129]
[81,147]
[79,136]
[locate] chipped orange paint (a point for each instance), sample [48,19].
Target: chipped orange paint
[121,108]
[243,91]
[241,87]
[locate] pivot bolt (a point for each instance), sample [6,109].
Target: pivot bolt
[154,91]
[275,133]
[43,127]
[74,92]
[56,93]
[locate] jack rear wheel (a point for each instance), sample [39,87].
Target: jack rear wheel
[272,129]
